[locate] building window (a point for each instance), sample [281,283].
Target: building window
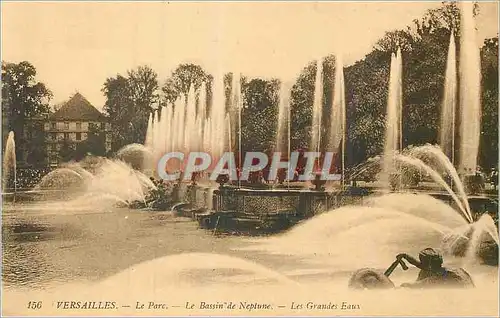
[78,136]
[53,147]
[92,126]
[53,125]
[103,126]
[78,126]
[66,126]
[66,136]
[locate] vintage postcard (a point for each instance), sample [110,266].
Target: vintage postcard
[250,158]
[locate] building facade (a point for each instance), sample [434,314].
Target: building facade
[77,126]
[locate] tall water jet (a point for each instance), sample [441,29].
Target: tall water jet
[448,109]
[189,127]
[207,133]
[156,134]
[180,108]
[337,132]
[9,164]
[217,116]
[393,141]
[470,80]
[168,123]
[175,126]
[201,114]
[237,108]
[149,132]
[282,133]
[317,108]
[228,139]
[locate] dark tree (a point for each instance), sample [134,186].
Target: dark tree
[23,97]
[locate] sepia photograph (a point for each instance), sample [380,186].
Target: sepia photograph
[249,158]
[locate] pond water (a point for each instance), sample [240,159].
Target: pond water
[54,252]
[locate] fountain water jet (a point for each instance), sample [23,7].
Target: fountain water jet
[447,128]
[337,133]
[470,98]
[282,134]
[9,163]
[393,141]
[317,108]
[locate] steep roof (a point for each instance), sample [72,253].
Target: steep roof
[78,108]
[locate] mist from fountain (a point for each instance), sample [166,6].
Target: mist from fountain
[9,168]
[449,103]
[470,97]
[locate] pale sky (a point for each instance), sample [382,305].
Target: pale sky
[75,46]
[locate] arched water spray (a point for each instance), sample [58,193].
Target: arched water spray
[443,160]
[438,179]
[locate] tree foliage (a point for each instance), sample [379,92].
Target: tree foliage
[129,101]
[181,79]
[259,114]
[23,97]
